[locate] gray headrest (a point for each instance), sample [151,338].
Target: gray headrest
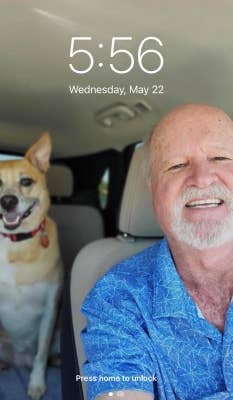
[60,181]
[136,215]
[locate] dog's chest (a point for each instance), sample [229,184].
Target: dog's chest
[21,307]
[6,268]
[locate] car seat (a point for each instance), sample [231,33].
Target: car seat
[137,230]
[77,224]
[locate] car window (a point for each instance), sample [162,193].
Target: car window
[104,189]
[5,157]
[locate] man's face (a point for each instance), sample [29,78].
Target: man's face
[192,176]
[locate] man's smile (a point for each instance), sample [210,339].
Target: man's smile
[209,208]
[204,203]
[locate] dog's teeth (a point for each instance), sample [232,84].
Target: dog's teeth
[13,222]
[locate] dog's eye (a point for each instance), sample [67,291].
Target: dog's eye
[26,182]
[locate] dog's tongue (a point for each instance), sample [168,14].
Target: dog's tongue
[11,217]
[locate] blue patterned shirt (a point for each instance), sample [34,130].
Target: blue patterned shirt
[145,333]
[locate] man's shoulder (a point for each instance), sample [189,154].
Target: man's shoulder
[133,274]
[139,263]
[126,284]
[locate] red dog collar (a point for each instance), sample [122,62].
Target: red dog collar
[17,237]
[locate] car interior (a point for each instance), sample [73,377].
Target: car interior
[98,77]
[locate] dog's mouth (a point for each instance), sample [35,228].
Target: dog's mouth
[13,219]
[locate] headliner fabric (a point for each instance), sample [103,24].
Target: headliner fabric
[137,216]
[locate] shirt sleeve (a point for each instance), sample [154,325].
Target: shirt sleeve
[116,343]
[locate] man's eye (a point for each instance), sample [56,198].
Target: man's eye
[177,166]
[26,182]
[220,158]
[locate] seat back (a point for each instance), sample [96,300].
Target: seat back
[77,224]
[138,228]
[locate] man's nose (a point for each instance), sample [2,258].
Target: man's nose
[202,174]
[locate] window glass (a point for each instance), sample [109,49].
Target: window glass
[5,157]
[103,189]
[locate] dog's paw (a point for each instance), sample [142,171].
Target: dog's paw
[35,391]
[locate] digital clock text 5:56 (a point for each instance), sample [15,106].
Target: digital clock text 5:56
[116,50]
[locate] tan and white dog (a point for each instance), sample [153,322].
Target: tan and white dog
[31,270]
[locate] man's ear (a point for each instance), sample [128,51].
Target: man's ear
[39,153]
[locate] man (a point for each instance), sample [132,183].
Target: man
[160,324]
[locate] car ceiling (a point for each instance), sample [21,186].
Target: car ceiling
[35,75]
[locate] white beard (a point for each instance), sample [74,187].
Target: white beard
[207,233]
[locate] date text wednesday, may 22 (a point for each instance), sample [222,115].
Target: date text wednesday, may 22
[117,90]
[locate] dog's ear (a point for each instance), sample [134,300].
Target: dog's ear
[39,153]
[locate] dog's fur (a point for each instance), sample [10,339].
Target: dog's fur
[31,270]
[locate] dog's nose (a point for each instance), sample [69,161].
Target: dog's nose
[9,202]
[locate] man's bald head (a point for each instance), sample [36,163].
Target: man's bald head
[186,118]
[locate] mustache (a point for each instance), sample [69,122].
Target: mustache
[214,190]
